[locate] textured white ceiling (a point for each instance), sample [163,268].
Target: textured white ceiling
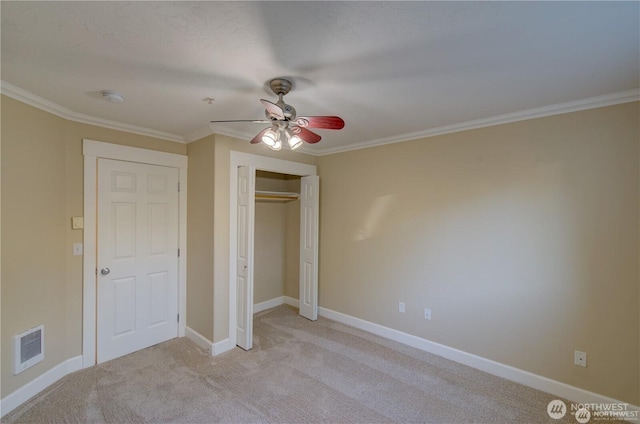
[389,69]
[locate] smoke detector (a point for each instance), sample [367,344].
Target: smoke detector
[112,96]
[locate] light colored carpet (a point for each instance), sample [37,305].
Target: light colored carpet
[298,372]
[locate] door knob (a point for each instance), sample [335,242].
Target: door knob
[105,271]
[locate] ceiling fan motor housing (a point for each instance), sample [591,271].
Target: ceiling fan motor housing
[288,111]
[280,86]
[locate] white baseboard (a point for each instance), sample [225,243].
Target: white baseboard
[202,342]
[205,344]
[38,384]
[268,304]
[221,347]
[507,372]
[291,301]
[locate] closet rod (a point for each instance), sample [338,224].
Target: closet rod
[276,195]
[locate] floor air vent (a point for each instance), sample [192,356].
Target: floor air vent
[28,349]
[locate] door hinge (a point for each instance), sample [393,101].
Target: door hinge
[178,187]
[178,317]
[178,252]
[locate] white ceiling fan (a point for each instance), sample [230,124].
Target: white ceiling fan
[285,124]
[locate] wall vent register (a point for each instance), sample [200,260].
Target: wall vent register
[28,349]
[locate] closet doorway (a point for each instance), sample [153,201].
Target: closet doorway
[276,252]
[283,182]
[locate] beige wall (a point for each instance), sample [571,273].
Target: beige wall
[269,251]
[42,174]
[521,238]
[200,236]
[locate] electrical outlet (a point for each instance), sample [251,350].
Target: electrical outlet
[580,358]
[401,307]
[427,314]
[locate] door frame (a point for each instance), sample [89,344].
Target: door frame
[92,151]
[254,162]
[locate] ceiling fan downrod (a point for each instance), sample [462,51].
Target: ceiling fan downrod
[281,87]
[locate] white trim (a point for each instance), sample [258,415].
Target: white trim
[132,154]
[197,134]
[202,342]
[526,378]
[202,132]
[92,150]
[254,162]
[291,301]
[275,302]
[222,346]
[523,115]
[89,240]
[38,102]
[268,304]
[208,346]
[38,384]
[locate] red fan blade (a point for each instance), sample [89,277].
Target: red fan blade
[306,135]
[273,109]
[258,138]
[326,122]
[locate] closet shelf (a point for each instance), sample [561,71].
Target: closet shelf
[276,196]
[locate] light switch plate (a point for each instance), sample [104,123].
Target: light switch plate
[77,223]
[77,249]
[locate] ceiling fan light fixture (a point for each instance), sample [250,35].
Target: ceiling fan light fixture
[277,145]
[270,138]
[293,140]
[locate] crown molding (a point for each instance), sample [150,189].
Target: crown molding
[539,112]
[197,134]
[611,99]
[38,102]
[202,132]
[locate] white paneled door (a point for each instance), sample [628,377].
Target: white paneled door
[309,206]
[244,257]
[137,258]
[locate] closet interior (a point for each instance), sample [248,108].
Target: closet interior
[276,236]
